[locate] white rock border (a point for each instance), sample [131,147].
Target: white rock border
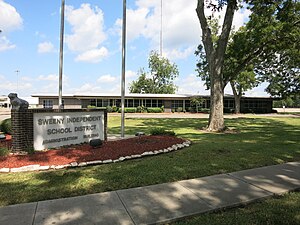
[96,162]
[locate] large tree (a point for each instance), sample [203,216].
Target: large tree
[272,31]
[160,78]
[215,54]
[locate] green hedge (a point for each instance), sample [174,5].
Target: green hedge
[161,131]
[154,110]
[5,126]
[128,110]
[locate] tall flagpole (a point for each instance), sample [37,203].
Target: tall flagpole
[62,22]
[123,71]
[161,26]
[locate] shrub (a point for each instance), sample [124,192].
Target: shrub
[140,109]
[179,109]
[128,110]
[114,108]
[95,107]
[6,126]
[109,109]
[3,151]
[154,110]
[161,131]
[202,110]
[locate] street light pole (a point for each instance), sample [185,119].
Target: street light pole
[17,72]
[123,71]
[62,23]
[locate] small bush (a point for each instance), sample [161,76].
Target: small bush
[6,126]
[202,110]
[95,107]
[114,108]
[161,131]
[128,110]
[109,109]
[179,109]
[3,151]
[154,110]
[141,109]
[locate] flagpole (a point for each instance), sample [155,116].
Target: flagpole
[123,71]
[62,22]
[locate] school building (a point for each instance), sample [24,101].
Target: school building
[170,102]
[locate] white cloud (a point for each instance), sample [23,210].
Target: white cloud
[93,55]
[87,25]
[50,77]
[191,84]
[8,86]
[45,47]
[178,53]
[106,79]
[5,44]
[258,91]
[129,74]
[181,28]
[10,19]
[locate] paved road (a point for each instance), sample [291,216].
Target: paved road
[159,203]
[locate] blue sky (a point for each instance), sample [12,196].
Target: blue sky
[29,43]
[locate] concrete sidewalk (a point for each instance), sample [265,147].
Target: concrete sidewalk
[159,203]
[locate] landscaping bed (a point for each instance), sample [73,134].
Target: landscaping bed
[110,151]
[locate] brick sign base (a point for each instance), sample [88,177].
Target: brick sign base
[23,125]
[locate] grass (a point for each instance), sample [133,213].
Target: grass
[284,210]
[259,142]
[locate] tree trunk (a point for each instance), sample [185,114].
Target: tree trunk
[216,116]
[215,57]
[237,98]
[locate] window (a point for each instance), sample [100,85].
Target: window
[48,104]
[160,103]
[99,102]
[148,103]
[129,103]
[93,102]
[105,102]
[154,103]
[136,103]
[177,103]
[229,103]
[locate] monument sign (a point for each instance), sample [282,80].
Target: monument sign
[52,130]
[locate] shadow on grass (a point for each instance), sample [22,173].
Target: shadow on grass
[260,142]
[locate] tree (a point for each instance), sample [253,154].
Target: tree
[215,54]
[273,29]
[160,78]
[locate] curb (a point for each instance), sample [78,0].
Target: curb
[37,167]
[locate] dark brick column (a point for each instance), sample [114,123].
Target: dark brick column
[22,130]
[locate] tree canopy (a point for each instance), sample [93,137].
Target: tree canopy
[159,79]
[267,45]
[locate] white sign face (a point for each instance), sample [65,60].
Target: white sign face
[58,129]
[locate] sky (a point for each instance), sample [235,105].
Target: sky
[29,44]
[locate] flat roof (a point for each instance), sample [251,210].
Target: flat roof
[136,95]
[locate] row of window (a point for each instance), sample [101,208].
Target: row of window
[255,104]
[128,102]
[184,104]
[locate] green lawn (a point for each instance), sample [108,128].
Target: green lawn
[276,211]
[259,142]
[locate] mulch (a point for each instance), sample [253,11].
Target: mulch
[85,153]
